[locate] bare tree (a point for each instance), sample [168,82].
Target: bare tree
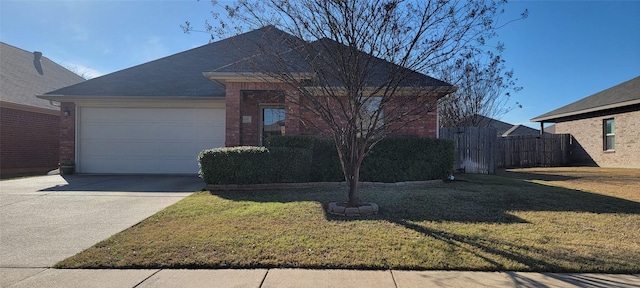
[484,86]
[84,74]
[362,61]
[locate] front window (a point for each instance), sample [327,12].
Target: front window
[367,114]
[609,135]
[272,122]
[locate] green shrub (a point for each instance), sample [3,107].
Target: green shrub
[408,159]
[307,159]
[393,159]
[296,141]
[254,165]
[325,165]
[292,164]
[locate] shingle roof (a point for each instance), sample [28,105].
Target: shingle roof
[503,129]
[624,94]
[181,74]
[518,130]
[178,75]
[297,57]
[381,67]
[23,77]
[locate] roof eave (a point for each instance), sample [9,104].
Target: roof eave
[223,77]
[550,118]
[72,98]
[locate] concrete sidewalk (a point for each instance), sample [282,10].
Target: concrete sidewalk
[264,278]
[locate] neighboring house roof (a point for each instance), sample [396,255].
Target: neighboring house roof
[503,129]
[24,75]
[518,129]
[624,94]
[181,74]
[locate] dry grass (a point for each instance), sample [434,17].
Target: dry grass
[519,220]
[615,182]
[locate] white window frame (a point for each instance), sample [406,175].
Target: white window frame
[370,105]
[606,135]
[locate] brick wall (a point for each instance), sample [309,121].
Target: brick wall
[422,122]
[68,132]
[251,103]
[589,145]
[246,98]
[239,104]
[29,141]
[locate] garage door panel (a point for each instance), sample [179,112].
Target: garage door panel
[123,131]
[132,165]
[137,148]
[147,140]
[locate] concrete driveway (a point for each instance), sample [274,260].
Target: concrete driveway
[46,219]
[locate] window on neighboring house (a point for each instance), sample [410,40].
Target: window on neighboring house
[609,135]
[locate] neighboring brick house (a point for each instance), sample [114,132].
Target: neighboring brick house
[29,126]
[605,126]
[156,117]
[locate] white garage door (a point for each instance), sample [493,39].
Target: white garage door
[147,140]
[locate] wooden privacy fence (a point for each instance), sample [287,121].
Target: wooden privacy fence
[475,149]
[480,150]
[523,151]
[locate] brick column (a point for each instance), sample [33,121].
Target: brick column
[68,132]
[292,110]
[233,118]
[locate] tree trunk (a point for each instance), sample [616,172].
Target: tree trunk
[351,156]
[353,186]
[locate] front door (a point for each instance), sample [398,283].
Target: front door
[272,122]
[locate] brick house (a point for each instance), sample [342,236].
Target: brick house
[156,117]
[29,126]
[605,126]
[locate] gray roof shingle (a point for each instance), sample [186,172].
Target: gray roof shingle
[297,57]
[503,129]
[178,75]
[22,77]
[181,74]
[624,94]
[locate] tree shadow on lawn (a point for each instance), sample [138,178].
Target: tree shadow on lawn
[472,199]
[489,250]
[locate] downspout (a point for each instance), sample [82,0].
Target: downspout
[437,122]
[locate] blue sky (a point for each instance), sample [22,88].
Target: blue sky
[564,51]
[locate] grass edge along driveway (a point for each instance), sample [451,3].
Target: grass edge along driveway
[519,220]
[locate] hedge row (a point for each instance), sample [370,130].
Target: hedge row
[408,159]
[254,165]
[289,159]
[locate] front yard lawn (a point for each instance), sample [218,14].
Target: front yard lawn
[552,219]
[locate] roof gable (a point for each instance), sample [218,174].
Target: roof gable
[178,75]
[25,75]
[181,74]
[624,94]
[294,56]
